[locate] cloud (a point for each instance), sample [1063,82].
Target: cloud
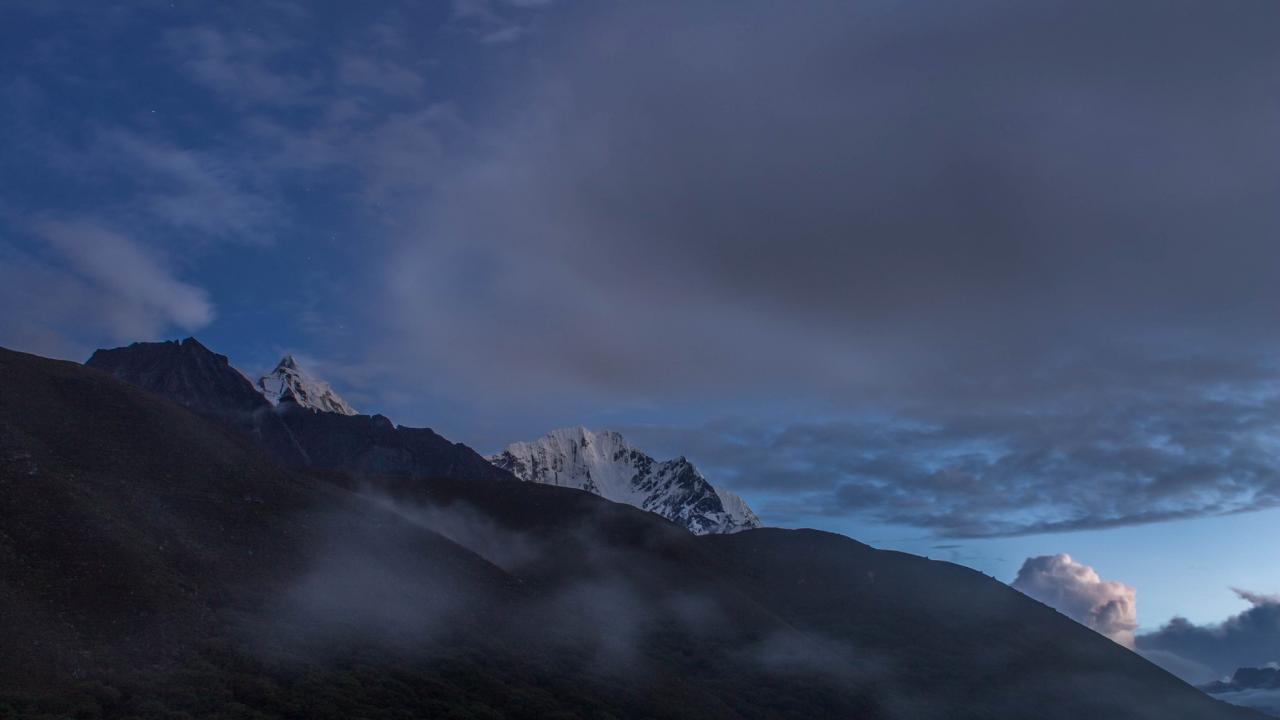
[362,71]
[140,177]
[505,35]
[493,22]
[1256,599]
[1147,453]
[1201,653]
[1196,653]
[205,193]
[1029,243]
[1075,590]
[264,136]
[120,267]
[979,269]
[361,123]
[237,64]
[94,284]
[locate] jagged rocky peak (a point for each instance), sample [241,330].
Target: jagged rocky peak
[604,463]
[186,372]
[290,383]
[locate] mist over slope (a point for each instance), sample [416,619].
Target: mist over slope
[156,561]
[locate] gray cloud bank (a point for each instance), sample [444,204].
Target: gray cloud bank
[1201,653]
[1034,243]
[988,268]
[1142,456]
[845,197]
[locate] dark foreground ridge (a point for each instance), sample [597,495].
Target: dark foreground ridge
[159,559]
[197,378]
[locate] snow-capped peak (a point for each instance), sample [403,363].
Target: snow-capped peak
[288,382]
[605,464]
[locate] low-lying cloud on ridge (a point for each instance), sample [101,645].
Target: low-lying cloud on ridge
[1076,590]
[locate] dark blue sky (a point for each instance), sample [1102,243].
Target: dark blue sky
[983,281]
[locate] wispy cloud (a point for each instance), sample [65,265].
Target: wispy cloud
[497,22]
[360,71]
[205,193]
[120,267]
[93,285]
[242,65]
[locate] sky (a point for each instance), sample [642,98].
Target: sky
[983,281]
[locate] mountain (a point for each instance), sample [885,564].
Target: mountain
[304,424]
[373,445]
[297,435]
[130,524]
[187,373]
[158,562]
[289,383]
[193,376]
[605,464]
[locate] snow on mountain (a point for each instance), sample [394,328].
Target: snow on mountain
[737,508]
[606,464]
[289,382]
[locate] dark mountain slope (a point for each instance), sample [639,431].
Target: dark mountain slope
[204,382]
[186,372]
[372,445]
[130,526]
[154,563]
